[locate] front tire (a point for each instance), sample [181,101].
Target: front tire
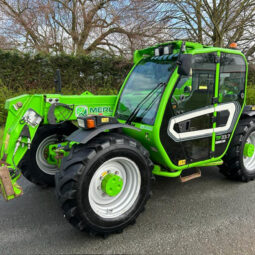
[85,202]
[238,165]
[34,165]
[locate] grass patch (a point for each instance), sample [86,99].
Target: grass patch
[250,95]
[1,136]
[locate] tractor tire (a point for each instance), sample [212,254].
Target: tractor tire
[237,165]
[79,184]
[34,165]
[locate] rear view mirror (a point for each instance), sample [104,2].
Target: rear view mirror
[184,62]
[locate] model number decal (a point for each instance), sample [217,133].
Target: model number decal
[224,137]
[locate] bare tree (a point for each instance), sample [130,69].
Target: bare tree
[217,22]
[81,26]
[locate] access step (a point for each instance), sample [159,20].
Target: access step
[196,173]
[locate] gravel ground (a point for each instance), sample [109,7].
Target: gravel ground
[209,215]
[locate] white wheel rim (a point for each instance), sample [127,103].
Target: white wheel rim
[111,207]
[249,162]
[41,161]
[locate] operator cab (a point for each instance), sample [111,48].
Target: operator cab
[191,95]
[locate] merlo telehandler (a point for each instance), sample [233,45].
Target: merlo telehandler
[182,106]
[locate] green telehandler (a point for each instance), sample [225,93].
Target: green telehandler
[182,106]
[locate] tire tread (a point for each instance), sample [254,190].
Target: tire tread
[67,201]
[231,167]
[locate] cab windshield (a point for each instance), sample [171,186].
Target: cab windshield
[144,79]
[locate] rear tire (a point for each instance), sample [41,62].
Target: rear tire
[34,166]
[90,209]
[235,165]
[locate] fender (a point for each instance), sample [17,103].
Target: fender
[249,111]
[83,136]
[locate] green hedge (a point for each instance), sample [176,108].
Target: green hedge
[1,136]
[79,73]
[25,73]
[251,95]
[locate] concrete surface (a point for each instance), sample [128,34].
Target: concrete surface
[209,215]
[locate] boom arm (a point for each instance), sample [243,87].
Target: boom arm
[27,112]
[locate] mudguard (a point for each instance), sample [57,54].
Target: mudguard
[249,110]
[83,136]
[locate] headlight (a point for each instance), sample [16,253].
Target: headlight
[168,50]
[87,122]
[163,50]
[157,52]
[81,123]
[94,121]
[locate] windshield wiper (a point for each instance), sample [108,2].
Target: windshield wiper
[134,113]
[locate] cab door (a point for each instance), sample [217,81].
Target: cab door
[231,91]
[188,117]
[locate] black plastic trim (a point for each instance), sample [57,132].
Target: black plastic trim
[215,100]
[83,136]
[247,111]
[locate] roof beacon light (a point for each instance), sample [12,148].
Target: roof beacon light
[233,45]
[167,50]
[157,52]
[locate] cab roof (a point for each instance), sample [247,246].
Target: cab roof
[190,47]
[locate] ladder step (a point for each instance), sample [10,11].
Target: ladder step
[195,175]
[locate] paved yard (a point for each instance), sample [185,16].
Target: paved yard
[210,215]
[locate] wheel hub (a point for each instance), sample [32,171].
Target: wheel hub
[44,152]
[112,185]
[112,203]
[249,150]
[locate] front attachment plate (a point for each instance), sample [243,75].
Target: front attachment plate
[9,189]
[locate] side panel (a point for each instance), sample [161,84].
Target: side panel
[80,106]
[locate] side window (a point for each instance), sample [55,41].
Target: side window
[232,78]
[197,90]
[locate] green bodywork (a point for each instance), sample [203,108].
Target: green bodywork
[88,103]
[82,104]
[150,137]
